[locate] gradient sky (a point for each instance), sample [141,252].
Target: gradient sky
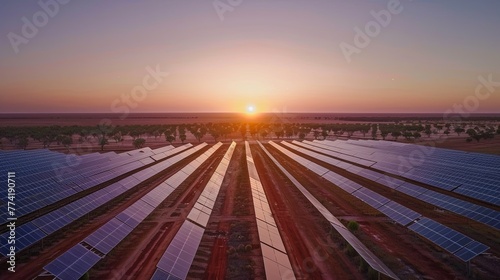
[274,54]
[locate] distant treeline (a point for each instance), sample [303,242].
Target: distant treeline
[100,135]
[420,118]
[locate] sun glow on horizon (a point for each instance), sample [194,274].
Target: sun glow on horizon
[250,109]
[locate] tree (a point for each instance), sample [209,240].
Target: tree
[215,133]
[316,134]
[67,141]
[102,140]
[302,135]
[407,135]
[243,131]
[365,130]
[198,135]
[447,132]
[279,133]
[396,134]
[471,132]
[428,132]
[384,133]
[182,137]
[118,137]
[170,138]
[22,143]
[477,137]
[459,130]
[324,133]
[416,135]
[264,133]
[139,143]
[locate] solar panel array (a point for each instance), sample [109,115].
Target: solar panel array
[178,257]
[45,184]
[276,262]
[47,224]
[364,252]
[65,265]
[452,241]
[470,174]
[395,211]
[106,239]
[467,209]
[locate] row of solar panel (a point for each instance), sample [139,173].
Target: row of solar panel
[473,175]
[106,239]
[372,260]
[452,241]
[461,207]
[478,213]
[276,262]
[41,192]
[456,159]
[57,219]
[483,161]
[395,211]
[179,255]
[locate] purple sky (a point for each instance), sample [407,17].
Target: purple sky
[274,55]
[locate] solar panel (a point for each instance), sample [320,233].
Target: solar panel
[276,264]
[471,250]
[411,189]
[389,181]
[26,235]
[335,178]
[162,275]
[63,267]
[372,260]
[180,253]
[135,213]
[349,186]
[370,197]
[366,254]
[399,213]
[199,217]
[108,236]
[445,237]
[269,235]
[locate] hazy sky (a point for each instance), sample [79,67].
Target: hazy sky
[273,54]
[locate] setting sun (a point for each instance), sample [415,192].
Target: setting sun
[251,109]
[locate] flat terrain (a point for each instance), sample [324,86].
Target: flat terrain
[315,251]
[230,246]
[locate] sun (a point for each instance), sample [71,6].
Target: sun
[250,109]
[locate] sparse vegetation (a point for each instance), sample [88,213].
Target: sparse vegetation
[353,226]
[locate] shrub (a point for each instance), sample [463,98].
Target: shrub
[353,225]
